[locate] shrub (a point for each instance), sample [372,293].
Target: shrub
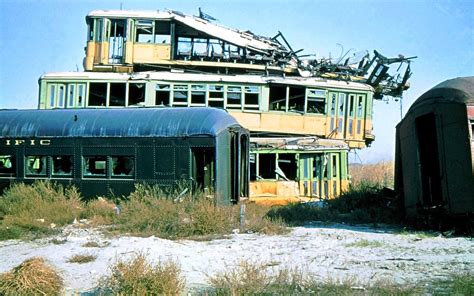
[138,277]
[37,208]
[82,258]
[361,204]
[32,277]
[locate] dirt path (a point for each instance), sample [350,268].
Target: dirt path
[362,254]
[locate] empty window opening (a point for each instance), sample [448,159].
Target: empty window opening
[7,165]
[116,41]
[287,164]
[144,33]
[317,167]
[35,165]
[180,95]
[267,166]
[162,95]
[162,32]
[296,99]
[200,48]
[251,97]
[117,94]
[234,97]
[62,166]
[95,166]
[123,166]
[216,96]
[253,166]
[198,95]
[277,98]
[136,94]
[97,94]
[316,101]
[184,47]
[335,167]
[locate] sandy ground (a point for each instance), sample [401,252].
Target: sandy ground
[321,250]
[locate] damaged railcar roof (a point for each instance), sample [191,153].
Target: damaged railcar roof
[130,122]
[236,37]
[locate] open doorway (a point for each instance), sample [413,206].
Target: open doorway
[203,169]
[429,159]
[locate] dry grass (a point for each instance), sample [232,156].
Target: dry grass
[381,174]
[32,277]
[37,209]
[139,277]
[91,244]
[82,258]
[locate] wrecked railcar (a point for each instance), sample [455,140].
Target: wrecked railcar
[434,167]
[105,152]
[297,169]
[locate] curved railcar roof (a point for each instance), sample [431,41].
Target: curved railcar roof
[455,90]
[126,122]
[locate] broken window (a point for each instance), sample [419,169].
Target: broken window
[200,48]
[97,94]
[277,98]
[95,166]
[180,95]
[267,166]
[136,94]
[184,47]
[123,166]
[251,97]
[198,95]
[216,96]
[234,97]
[62,166]
[7,165]
[316,101]
[144,32]
[117,94]
[216,49]
[162,94]
[287,164]
[35,165]
[162,32]
[296,99]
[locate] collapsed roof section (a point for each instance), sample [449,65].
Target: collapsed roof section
[254,53]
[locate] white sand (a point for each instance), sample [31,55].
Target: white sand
[322,251]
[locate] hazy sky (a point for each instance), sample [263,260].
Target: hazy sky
[44,36]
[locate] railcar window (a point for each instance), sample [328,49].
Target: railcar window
[277,98]
[180,95]
[267,166]
[61,93]
[81,95]
[144,32]
[97,94]
[184,47]
[117,94]
[198,95]
[251,97]
[162,94]
[296,99]
[136,93]
[95,166]
[216,96]
[62,166]
[316,101]
[162,32]
[7,165]
[234,97]
[71,92]
[52,95]
[35,165]
[123,166]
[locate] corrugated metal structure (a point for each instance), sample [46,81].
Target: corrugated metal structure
[434,167]
[106,152]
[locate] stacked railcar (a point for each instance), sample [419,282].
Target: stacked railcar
[434,169]
[105,152]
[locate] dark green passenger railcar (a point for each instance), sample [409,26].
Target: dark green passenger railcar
[105,152]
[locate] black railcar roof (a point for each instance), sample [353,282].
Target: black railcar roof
[459,90]
[123,122]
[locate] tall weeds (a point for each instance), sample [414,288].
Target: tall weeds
[37,208]
[378,174]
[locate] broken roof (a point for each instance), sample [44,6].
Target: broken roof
[240,38]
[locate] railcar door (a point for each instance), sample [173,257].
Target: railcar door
[337,115]
[116,37]
[203,169]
